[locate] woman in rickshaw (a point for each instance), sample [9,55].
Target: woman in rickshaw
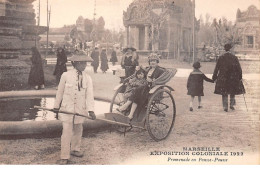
[139,95]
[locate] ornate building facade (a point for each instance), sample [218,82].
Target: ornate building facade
[18,32]
[162,25]
[248,24]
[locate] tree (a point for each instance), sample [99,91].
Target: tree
[206,34]
[227,32]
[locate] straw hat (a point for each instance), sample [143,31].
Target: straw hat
[80,56]
[153,56]
[127,48]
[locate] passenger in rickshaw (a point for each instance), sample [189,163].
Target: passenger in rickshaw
[138,81]
[139,95]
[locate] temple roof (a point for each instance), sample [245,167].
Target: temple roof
[251,13]
[143,11]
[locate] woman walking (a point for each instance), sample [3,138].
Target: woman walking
[95,56]
[104,61]
[129,61]
[61,64]
[36,76]
[113,58]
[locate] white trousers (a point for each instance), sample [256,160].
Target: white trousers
[70,138]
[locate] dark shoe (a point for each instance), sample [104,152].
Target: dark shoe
[199,107]
[191,109]
[62,161]
[226,110]
[232,108]
[77,153]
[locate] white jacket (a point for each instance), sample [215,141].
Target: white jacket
[69,98]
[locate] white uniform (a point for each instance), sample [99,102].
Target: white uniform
[70,98]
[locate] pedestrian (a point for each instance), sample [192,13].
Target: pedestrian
[228,77]
[36,75]
[95,56]
[60,64]
[113,58]
[104,61]
[74,94]
[195,84]
[138,81]
[129,62]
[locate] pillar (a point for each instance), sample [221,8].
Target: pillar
[126,36]
[254,37]
[136,38]
[146,37]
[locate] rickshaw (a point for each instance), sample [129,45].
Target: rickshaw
[157,116]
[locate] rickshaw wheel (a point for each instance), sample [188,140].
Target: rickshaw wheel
[160,114]
[118,100]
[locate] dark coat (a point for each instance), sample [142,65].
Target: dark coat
[61,63]
[158,71]
[104,64]
[129,65]
[228,74]
[113,57]
[95,56]
[195,83]
[36,75]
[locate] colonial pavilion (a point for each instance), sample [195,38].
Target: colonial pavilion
[248,22]
[162,25]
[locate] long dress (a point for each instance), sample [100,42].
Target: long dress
[60,65]
[129,65]
[95,56]
[36,75]
[104,62]
[113,58]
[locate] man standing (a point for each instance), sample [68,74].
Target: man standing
[75,94]
[228,74]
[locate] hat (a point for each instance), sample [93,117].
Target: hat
[153,56]
[196,65]
[127,48]
[227,46]
[80,56]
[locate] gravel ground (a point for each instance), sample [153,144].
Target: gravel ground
[235,131]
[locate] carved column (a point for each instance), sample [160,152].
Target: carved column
[254,37]
[136,38]
[146,37]
[126,36]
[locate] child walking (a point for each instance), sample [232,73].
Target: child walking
[195,84]
[137,81]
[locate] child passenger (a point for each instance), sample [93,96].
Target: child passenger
[195,84]
[137,81]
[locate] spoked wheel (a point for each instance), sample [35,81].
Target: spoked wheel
[118,100]
[160,114]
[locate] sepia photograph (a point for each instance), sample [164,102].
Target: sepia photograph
[129,82]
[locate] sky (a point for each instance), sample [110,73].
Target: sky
[66,12]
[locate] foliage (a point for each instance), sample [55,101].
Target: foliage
[227,32]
